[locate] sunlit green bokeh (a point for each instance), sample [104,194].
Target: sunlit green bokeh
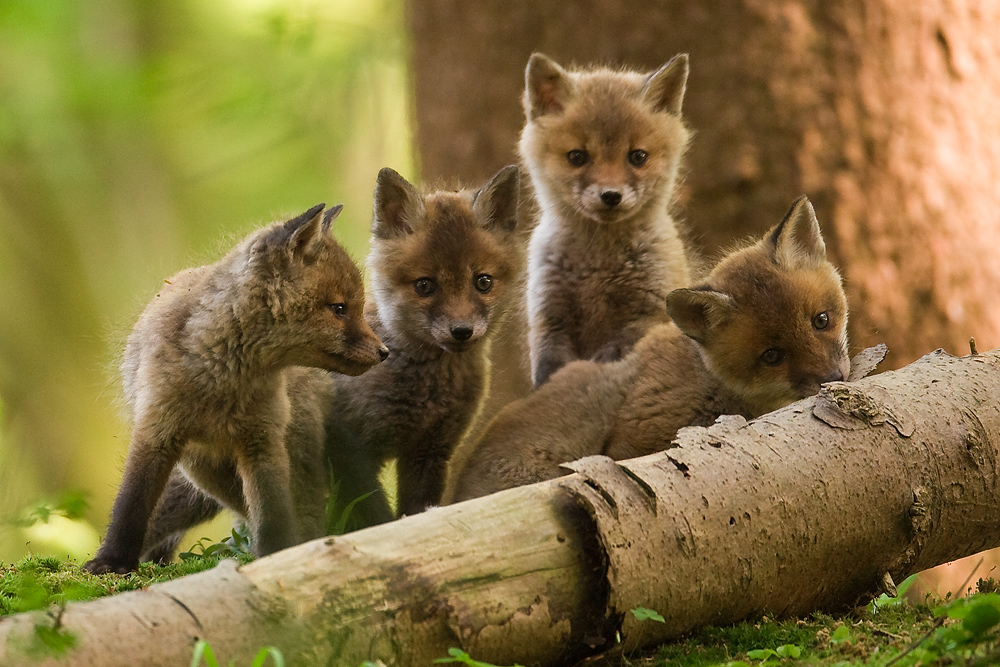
[138,137]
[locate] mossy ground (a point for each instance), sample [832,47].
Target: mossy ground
[38,582]
[869,639]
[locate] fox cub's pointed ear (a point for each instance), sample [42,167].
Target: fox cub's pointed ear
[664,89]
[397,205]
[295,235]
[547,87]
[331,214]
[496,202]
[797,240]
[697,312]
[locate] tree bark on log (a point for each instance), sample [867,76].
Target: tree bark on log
[819,505]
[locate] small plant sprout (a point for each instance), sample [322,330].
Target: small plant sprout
[458,655]
[203,652]
[644,614]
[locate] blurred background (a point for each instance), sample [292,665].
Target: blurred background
[138,137]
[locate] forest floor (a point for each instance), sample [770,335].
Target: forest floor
[889,631]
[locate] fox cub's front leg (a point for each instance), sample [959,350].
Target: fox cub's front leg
[147,468]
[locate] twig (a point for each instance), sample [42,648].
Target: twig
[972,347]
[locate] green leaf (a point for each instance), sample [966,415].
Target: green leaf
[458,655]
[905,585]
[789,651]
[644,614]
[981,617]
[843,633]
[761,654]
[341,525]
[273,652]
[72,505]
[55,639]
[203,650]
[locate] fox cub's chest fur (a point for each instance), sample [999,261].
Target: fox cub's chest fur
[223,406]
[603,149]
[443,268]
[412,398]
[767,327]
[601,293]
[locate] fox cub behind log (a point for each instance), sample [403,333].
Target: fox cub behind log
[766,328]
[442,269]
[226,376]
[603,149]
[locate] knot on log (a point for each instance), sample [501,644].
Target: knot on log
[849,406]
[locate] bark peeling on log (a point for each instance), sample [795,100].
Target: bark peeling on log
[844,405]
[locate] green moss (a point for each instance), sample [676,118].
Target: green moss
[36,582]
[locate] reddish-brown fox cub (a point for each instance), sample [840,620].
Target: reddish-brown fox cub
[442,268]
[603,148]
[767,327]
[226,376]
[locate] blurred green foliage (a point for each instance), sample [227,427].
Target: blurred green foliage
[138,137]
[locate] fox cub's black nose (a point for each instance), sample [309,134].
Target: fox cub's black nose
[461,332]
[611,198]
[834,376]
[383,353]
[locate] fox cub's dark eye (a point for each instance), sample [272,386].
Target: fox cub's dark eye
[425,286]
[821,321]
[484,282]
[637,158]
[577,157]
[339,309]
[773,357]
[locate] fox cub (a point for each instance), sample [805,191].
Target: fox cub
[603,149]
[768,327]
[442,269]
[226,375]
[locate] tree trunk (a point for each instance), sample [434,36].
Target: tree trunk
[882,111]
[819,505]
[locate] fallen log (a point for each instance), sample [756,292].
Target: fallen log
[820,505]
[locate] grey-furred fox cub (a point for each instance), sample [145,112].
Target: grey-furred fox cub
[442,270]
[226,376]
[603,149]
[767,327]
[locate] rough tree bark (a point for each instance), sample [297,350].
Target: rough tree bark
[882,111]
[816,506]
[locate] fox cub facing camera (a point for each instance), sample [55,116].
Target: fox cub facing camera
[442,269]
[603,149]
[226,376]
[767,327]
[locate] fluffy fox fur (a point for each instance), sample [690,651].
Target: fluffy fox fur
[226,376]
[603,149]
[442,268]
[767,327]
